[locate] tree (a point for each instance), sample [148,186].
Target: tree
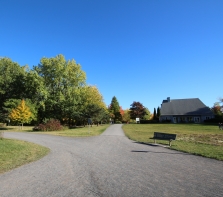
[61,79]
[91,104]
[154,114]
[97,114]
[137,110]
[121,111]
[11,81]
[148,114]
[19,83]
[114,109]
[126,116]
[217,110]
[158,112]
[21,114]
[11,104]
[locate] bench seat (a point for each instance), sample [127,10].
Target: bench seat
[164,136]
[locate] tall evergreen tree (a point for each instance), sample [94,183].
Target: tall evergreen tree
[154,114]
[114,109]
[158,112]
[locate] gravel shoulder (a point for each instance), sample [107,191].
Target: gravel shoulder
[110,165]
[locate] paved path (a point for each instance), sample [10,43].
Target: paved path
[110,165]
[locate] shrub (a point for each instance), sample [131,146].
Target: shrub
[148,121]
[166,121]
[50,125]
[214,120]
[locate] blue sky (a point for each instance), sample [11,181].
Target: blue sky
[136,50]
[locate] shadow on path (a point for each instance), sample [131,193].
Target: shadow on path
[142,151]
[175,152]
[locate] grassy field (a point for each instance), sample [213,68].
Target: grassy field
[75,132]
[14,153]
[79,131]
[198,139]
[16,128]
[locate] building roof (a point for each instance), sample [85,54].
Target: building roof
[192,106]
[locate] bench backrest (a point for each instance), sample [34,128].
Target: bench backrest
[167,136]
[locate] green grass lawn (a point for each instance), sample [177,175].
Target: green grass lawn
[14,153]
[17,128]
[75,132]
[79,131]
[198,139]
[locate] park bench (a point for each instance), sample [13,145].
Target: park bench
[164,136]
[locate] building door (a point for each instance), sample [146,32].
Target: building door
[174,120]
[197,119]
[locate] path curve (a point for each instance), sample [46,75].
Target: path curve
[110,165]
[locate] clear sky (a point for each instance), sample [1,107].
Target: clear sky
[136,50]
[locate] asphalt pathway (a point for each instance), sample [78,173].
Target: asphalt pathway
[110,165]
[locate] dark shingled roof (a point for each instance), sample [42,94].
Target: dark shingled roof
[192,106]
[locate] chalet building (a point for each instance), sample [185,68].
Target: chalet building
[184,111]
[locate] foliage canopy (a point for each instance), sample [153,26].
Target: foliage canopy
[55,88]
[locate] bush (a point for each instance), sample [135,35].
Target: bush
[166,121]
[118,122]
[50,125]
[214,120]
[148,121]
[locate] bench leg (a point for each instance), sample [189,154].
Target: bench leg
[155,141]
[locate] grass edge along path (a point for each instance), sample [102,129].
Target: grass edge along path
[86,131]
[15,153]
[79,131]
[202,140]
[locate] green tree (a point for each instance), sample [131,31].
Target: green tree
[90,100]
[11,81]
[137,110]
[114,109]
[34,87]
[154,114]
[61,79]
[21,114]
[158,112]
[18,83]
[148,114]
[126,116]
[97,113]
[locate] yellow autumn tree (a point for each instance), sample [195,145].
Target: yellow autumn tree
[21,114]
